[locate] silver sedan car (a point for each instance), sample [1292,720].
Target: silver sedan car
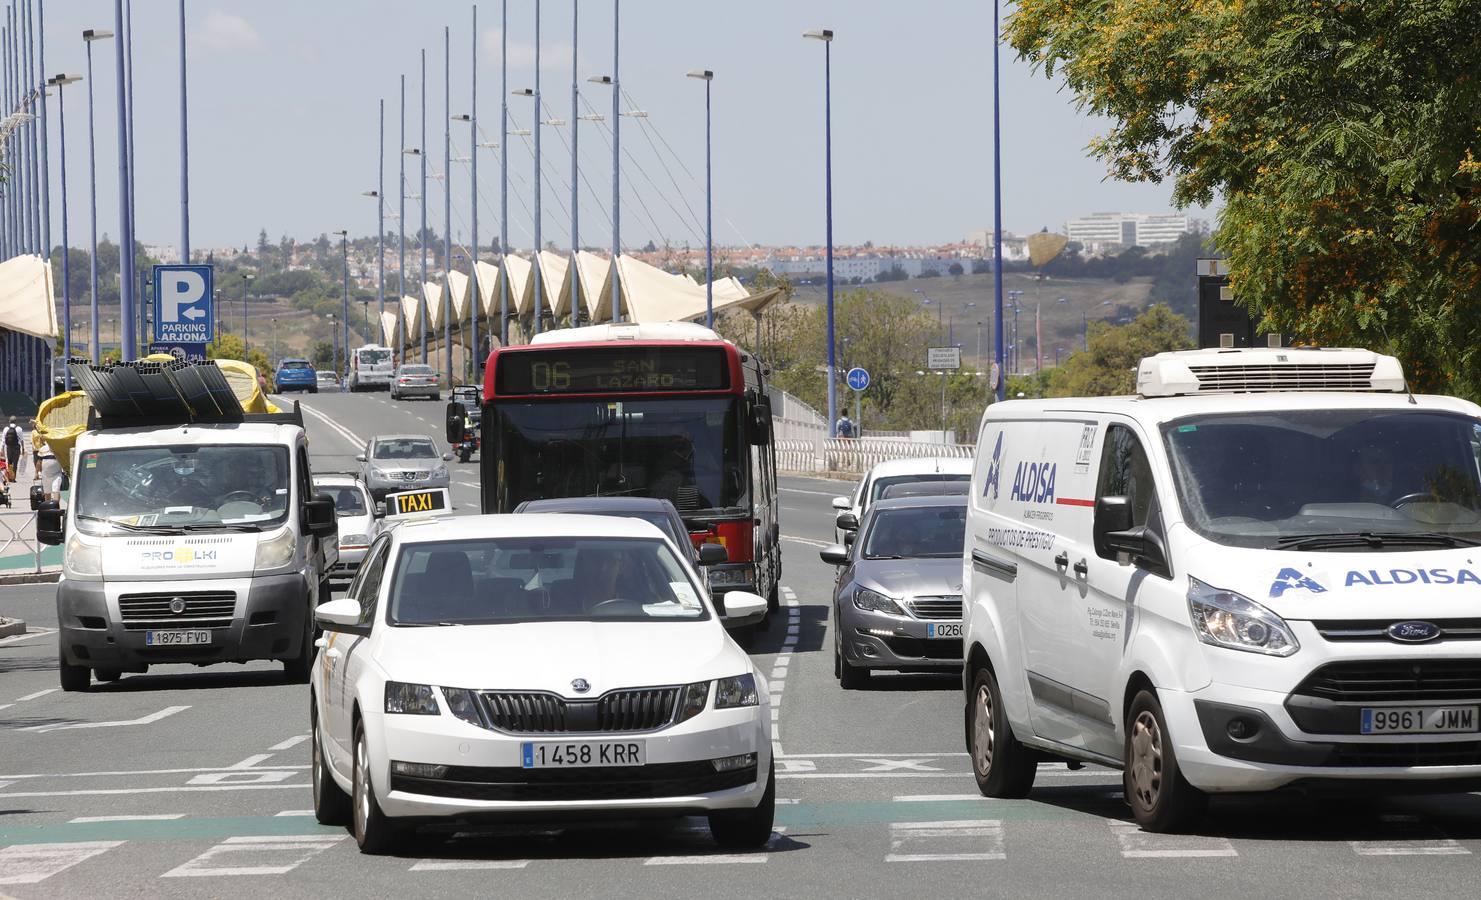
[415,380]
[402,462]
[898,601]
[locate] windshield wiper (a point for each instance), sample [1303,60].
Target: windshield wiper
[244,527]
[1375,540]
[125,526]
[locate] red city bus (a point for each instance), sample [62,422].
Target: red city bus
[666,410]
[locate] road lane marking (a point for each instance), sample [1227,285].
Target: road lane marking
[33,863]
[115,792]
[792,490]
[255,855]
[242,776]
[898,765]
[35,695]
[294,812]
[1138,844]
[711,859]
[339,429]
[807,541]
[455,865]
[142,720]
[935,798]
[251,761]
[83,820]
[779,667]
[975,840]
[290,743]
[129,773]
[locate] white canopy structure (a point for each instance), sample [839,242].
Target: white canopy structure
[513,275]
[389,322]
[461,285]
[432,296]
[411,315]
[552,275]
[488,289]
[27,297]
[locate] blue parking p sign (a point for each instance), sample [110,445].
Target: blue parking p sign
[183,309]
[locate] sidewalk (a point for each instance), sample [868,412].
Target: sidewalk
[18,545]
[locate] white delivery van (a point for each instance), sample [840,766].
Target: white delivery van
[1262,571]
[371,368]
[187,542]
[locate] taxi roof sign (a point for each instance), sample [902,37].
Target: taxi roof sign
[418,504]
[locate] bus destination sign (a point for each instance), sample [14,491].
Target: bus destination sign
[599,370]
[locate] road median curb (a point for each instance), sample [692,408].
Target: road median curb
[11,627]
[31,578]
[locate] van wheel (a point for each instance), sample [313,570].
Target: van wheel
[373,831]
[296,669]
[747,829]
[1161,799]
[331,805]
[73,678]
[1002,766]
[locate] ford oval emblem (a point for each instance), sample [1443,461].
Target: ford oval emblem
[580,686]
[177,605]
[1414,632]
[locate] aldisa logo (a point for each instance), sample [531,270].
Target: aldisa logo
[1034,482]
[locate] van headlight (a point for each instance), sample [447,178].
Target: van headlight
[873,601]
[277,551]
[1227,619]
[82,558]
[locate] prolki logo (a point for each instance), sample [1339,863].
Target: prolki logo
[1292,580]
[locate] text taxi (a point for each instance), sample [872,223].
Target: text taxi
[1261,571]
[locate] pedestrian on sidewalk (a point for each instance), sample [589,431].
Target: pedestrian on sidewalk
[38,447]
[844,427]
[12,439]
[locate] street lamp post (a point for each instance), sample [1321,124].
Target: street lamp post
[380,238]
[246,289]
[333,345]
[273,350]
[422,237]
[184,152]
[708,76]
[60,82]
[826,36]
[575,172]
[344,252]
[125,204]
[88,37]
[401,340]
[447,204]
[503,170]
[535,126]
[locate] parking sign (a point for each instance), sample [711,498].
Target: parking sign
[183,308]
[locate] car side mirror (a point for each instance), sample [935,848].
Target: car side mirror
[847,521]
[380,510]
[841,503]
[319,519]
[359,457]
[338,614]
[713,554]
[835,555]
[51,523]
[744,605]
[447,457]
[849,537]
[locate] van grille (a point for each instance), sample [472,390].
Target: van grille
[203,609]
[937,607]
[1340,630]
[1395,680]
[1327,377]
[640,709]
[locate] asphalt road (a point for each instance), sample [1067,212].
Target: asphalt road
[194,782]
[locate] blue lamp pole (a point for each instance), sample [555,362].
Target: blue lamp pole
[997,211]
[826,36]
[125,206]
[184,152]
[707,76]
[60,82]
[576,299]
[447,204]
[422,237]
[344,319]
[88,37]
[477,295]
[503,170]
[41,80]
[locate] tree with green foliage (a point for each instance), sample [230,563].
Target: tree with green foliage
[1108,368]
[229,346]
[1342,136]
[323,357]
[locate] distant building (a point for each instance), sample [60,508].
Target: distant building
[1099,232]
[1015,248]
[167,254]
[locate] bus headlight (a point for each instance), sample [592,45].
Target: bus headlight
[277,551]
[1227,619]
[82,558]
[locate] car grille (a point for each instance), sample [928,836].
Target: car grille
[203,609]
[1452,753]
[946,607]
[643,709]
[925,649]
[606,783]
[1339,630]
[407,476]
[1378,681]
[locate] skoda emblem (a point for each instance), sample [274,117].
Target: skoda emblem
[177,605]
[580,686]
[1414,632]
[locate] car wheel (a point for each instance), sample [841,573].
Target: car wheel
[1161,799]
[73,678]
[331,804]
[296,669]
[373,831]
[108,675]
[314,389]
[852,677]
[1002,766]
[747,829]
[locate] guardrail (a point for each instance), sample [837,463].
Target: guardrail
[13,535]
[856,455]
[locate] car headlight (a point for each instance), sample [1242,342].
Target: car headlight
[1227,619]
[439,471]
[354,540]
[873,601]
[82,558]
[693,701]
[276,551]
[410,699]
[732,693]
[462,703]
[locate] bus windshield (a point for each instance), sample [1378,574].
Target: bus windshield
[686,451]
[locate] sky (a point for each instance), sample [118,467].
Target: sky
[283,119]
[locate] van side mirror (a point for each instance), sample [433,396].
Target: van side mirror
[51,523]
[847,521]
[1114,535]
[713,554]
[319,519]
[1112,515]
[359,457]
[835,555]
[380,510]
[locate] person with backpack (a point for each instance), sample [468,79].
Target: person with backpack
[844,427]
[12,439]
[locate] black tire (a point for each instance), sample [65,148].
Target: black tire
[314,389]
[1002,765]
[852,677]
[296,669]
[747,829]
[106,675]
[374,832]
[331,803]
[73,678]
[1161,799]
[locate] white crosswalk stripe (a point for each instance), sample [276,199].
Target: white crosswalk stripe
[976,840]
[255,855]
[1408,836]
[33,863]
[1138,844]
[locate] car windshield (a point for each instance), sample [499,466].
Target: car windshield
[482,582]
[416,370]
[374,357]
[348,499]
[1271,479]
[405,448]
[686,451]
[878,488]
[917,532]
[134,488]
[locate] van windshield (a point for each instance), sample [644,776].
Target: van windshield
[231,486]
[1359,480]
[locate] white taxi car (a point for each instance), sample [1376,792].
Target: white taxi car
[499,666]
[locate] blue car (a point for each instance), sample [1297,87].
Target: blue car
[296,375]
